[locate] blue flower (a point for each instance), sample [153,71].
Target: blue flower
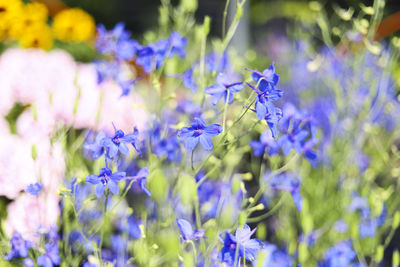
[140,177]
[248,248]
[188,79]
[177,44]
[199,132]
[225,87]
[19,247]
[187,232]
[286,182]
[116,42]
[267,142]
[145,58]
[267,80]
[339,255]
[51,257]
[275,257]
[299,132]
[106,179]
[34,189]
[95,148]
[216,63]
[119,142]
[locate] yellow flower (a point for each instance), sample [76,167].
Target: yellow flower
[37,35]
[73,24]
[9,9]
[30,14]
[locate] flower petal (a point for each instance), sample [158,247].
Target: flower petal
[206,142]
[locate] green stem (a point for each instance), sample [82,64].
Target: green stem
[225,108]
[224,18]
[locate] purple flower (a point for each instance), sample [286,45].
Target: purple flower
[199,132]
[140,177]
[248,248]
[275,257]
[188,80]
[187,232]
[119,142]
[51,257]
[34,189]
[225,87]
[106,179]
[19,247]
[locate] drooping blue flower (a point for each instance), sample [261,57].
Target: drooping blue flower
[274,257]
[140,177]
[266,94]
[51,257]
[116,42]
[34,189]
[28,262]
[119,142]
[199,132]
[226,87]
[217,63]
[267,80]
[106,179]
[248,248]
[95,148]
[286,182]
[145,58]
[19,247]
[299,132]
[187,232]
[188,79]
[342,254]
[130,225]
[267,142]
[177,44]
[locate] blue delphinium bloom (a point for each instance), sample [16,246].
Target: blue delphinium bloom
[28,262]
[145,58]
[274,257]
[130,225]
[342,254]
[19,247]
[51,257]
[116,42]
[106,179]
[34,189]
[267,80]
[267,142]
[248,248]
[217,63]
[299,132]
[226,86]
[199,132]
[177,44]
[106,70]
[187,232]
[140,177]
[266,94]
[119,142]
[286,182]
[95,148]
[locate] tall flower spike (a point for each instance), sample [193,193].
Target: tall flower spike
[199,132]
